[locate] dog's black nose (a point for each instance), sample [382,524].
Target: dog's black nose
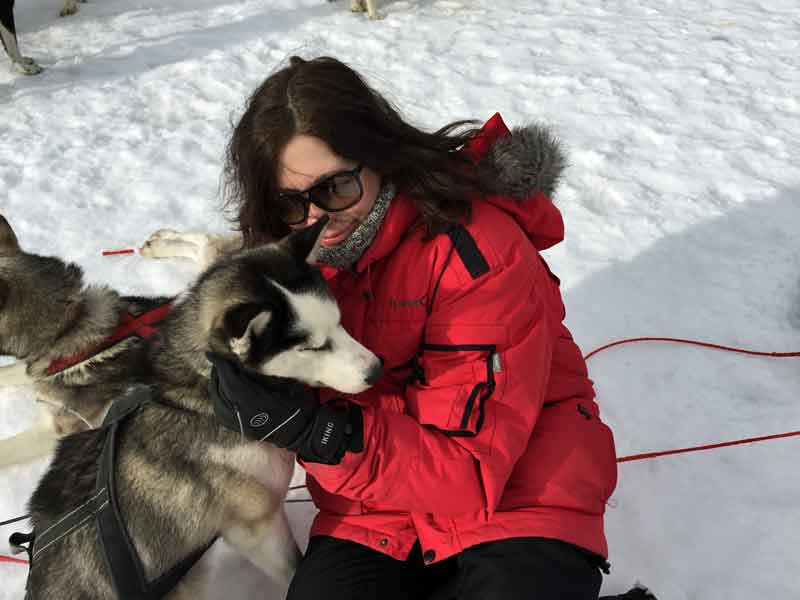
[374,373]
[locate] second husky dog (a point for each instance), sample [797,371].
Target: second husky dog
[80,346]
[179,478]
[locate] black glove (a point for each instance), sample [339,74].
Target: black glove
[283,412]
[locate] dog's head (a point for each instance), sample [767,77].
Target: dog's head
[270,309]
[37,295]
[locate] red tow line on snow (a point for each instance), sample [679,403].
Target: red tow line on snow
[763,438]
[693,343]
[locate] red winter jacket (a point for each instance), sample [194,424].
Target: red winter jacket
[496,433]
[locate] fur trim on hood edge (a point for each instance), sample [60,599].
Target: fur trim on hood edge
[529,160]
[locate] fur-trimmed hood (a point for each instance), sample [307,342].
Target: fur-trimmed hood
[520,170]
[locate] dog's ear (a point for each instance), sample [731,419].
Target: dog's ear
[304,244]
[241,324]
[8,240]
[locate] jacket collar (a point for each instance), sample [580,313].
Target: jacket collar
[398,222]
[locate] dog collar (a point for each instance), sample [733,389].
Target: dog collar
[141,326]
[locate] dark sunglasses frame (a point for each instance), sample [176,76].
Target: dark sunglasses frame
[320,190]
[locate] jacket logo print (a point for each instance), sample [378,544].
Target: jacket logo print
[406,302]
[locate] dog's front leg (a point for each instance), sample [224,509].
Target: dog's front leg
[14,374]
[8,35]
[198,583]
[372,10]
[268,544]
[367,6]
[34,443]
[202,248]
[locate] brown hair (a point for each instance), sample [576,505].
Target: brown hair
[327,99]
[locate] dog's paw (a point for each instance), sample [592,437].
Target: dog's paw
[167,243]
[70,8]
[376,16]
[358,6]
[202,248]
[165,234]
[164,248]
[27,66]
[158,245]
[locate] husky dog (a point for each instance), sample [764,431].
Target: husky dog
[181,478]
[48,315]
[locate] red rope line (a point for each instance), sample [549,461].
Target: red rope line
[11,559]
[647,455]
[762,438]
[693,343]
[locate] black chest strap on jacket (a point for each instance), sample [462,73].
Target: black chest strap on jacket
[121,558]
[468,251]
[465,246]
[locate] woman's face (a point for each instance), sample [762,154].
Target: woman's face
[306,160]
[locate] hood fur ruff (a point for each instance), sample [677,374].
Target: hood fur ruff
[529,160]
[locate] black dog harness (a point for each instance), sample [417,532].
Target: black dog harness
[122,560]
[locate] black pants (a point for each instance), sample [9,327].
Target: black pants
[513,569]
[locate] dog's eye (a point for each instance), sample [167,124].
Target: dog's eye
[326,346]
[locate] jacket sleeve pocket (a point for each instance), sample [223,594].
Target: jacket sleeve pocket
[451,385]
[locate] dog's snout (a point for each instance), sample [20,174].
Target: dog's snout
[374,373]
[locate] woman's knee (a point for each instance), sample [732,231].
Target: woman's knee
[525,568]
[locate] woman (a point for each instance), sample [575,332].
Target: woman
[477,467]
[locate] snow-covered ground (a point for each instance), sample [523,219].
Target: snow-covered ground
[682,205]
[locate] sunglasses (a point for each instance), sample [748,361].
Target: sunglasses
[338,192]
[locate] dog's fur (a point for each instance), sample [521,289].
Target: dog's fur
[8,35]
[181,477]
[46,313]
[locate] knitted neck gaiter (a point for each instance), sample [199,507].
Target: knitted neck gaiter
[347,253]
